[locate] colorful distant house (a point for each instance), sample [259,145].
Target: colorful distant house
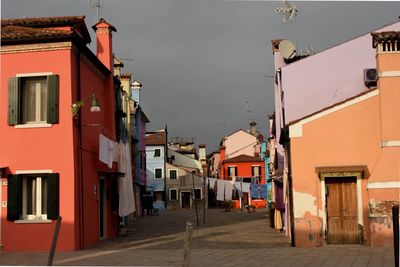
[239,160]
[138,123]
[180,183]
[346,181]
[50,165]
[213,164]
[303,87]
[156,156]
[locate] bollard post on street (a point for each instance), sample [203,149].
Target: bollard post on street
[54,242]
[396,229]
[187,246]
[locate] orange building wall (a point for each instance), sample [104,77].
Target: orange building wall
[347,137]
[244,170]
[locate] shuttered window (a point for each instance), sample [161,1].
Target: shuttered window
[232,171]
[33,100]
[33,197]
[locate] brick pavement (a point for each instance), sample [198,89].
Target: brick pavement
[227,239]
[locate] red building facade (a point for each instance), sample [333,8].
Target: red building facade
[50,161]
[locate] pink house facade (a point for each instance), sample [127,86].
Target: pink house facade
[345,161]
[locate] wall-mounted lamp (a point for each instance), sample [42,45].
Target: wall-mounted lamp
[77,105]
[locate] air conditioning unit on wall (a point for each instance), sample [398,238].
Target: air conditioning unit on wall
[370,78]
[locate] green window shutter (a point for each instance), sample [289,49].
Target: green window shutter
[13,100]
[52,102]
[236,172]
[53,196]
[14,197]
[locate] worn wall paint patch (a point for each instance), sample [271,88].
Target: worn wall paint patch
[303,203]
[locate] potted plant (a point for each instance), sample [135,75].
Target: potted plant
[227,205]
[250,208]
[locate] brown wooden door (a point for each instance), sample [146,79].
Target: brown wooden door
[341,202]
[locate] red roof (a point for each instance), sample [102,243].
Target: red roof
[243,158]
[156,138]
[28,29]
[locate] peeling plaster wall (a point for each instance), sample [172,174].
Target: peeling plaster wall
[303,203]
[381,222]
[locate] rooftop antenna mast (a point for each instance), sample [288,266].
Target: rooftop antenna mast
[288,10]
[96,4]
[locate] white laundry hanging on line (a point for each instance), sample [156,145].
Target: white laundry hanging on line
[211,182]
[107,151]
[228,190]
[220,189]
[103,148]
[244,187]
[125,185]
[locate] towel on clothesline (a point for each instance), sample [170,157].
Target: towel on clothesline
[263,191]
[220,189]
[107,149]
[211,182]
[228,190]
[254,190]
[125,184]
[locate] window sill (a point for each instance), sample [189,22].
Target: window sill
[32,221]
[32,125]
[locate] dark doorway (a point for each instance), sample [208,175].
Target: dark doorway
[102,208]
[186,200]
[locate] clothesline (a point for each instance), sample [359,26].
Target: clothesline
[225,188]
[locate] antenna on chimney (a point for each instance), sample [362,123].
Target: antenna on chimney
[96,4]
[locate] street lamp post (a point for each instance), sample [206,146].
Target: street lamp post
[195,201]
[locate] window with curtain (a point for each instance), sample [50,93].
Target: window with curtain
[33,100]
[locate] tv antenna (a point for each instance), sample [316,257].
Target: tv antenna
[96,4]
[248,106]
[288,10]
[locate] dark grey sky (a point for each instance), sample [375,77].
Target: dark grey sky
[200,61]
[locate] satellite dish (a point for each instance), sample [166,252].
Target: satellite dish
[287,49]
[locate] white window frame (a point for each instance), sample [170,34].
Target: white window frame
[37,122]
[32,218]
[162,170]
[259,169]
[169,173]
[233,167]
[39,215]
[169,194]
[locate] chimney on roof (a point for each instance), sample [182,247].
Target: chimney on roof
[387,46]
[103,31]
[253,128]
[202,154]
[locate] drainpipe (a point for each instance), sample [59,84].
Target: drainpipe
[81,196]
[165,166]
[293,241]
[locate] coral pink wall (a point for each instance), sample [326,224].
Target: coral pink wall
[244,169]
[40,149]
[346,137]
[57,148]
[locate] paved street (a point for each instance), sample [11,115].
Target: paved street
[227,239]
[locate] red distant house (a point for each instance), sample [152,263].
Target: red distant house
[248,169]
[50,159]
